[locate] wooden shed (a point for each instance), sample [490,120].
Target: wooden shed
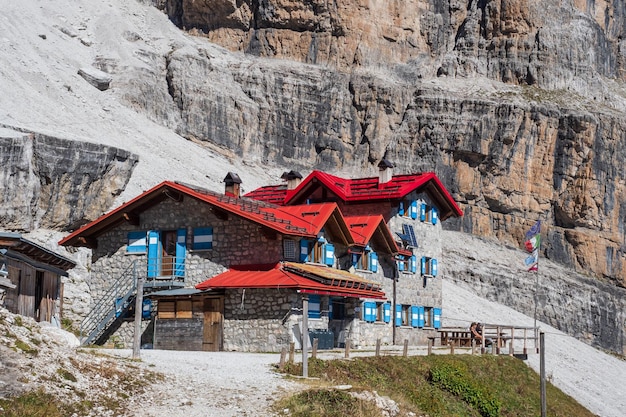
[34,286]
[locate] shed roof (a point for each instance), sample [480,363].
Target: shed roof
[15,246]
[307,278]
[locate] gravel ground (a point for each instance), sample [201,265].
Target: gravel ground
[216,384]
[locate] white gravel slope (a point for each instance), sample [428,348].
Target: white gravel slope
[219,384]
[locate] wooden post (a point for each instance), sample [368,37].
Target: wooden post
[473,345]
[314,351]
[138,313]
[451,348]
[525,346]
[305,335]
[283,356]
[347,353]
[405,352]
[542,373]
[498,340]
[430,345]
[292,351]
[512,342]
[377,347]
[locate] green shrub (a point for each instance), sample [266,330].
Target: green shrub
[455,380]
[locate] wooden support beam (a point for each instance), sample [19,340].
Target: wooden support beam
[131,218]
[88,241]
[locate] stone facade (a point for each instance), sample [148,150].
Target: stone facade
[270,319]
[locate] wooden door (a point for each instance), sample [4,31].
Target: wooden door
[168,256]
[212,329]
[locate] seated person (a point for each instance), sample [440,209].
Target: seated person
[477,334]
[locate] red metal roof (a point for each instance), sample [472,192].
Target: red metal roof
[302,277]
[305,220]
[362,190]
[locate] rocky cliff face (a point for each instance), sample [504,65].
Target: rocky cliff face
[56,183]
[517,105]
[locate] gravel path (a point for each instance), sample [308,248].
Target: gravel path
[200,384]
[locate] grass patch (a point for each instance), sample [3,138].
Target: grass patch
[25,347]
[36,403]
[447,385]
[67,375]
[328,403]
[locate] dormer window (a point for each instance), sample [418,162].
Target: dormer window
[317,251]
[428,214]
[365,261]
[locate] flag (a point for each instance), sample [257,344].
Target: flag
[534,230]
[533,243]
[533,258]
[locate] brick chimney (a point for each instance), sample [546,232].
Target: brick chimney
[293,178]
[233,185]
[385,171]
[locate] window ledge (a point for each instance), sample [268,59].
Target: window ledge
[364,271]
[200,250]
[135,253]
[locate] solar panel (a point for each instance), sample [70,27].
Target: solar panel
[408,230]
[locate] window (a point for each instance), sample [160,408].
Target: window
[429,266]
[428,214]
[366,261]
[408,208]
[289,249]
[136,242]
[376,311]
[428,317]
[202,238]
[317,251]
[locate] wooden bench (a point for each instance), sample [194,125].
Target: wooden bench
[456,337]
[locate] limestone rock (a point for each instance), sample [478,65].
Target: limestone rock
[99,79]
[56,183]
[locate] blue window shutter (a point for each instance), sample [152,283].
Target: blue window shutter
[422,316]
[330,309]
[437,318]
[369,311]
[136,242]
[181,250]
[413,209]
[355,259]
[329,254]
[373,259]
[401,208]
[434,216]
[154,254]
[398,315]
[433,267]
[423,212]
[314,306]
[202,238]
[413,264]
[304,250]
[400,263]
[414,316]
[387,312]
[423,265]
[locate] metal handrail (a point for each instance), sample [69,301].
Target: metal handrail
[108,308]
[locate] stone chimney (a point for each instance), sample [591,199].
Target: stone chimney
[233,185]
[385,171]
[293,178]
